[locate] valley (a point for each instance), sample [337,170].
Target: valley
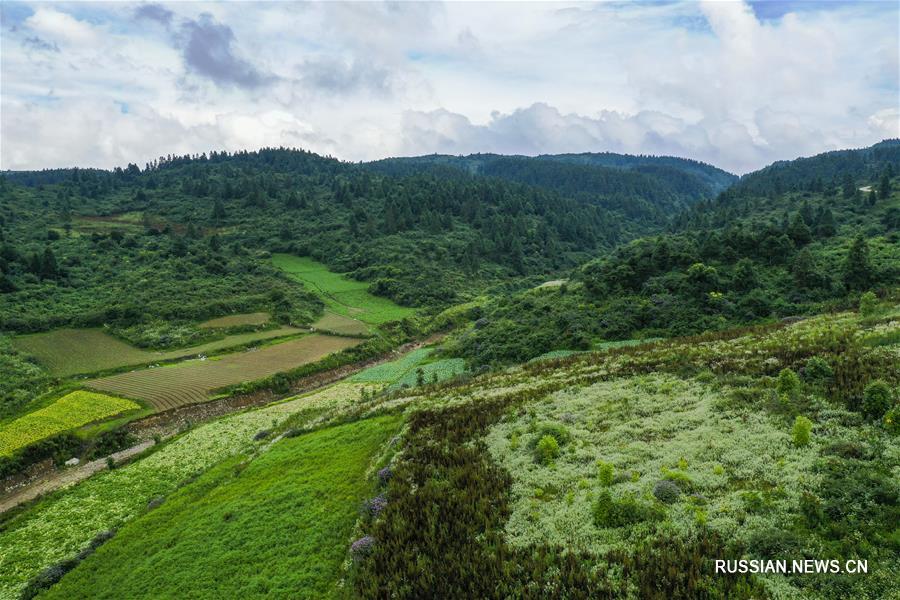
[493,376]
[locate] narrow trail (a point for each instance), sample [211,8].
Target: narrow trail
[57,479]
[169,423]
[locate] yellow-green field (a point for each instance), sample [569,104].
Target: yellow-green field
[341,294]
[66,352]
[340,324]
[72,410]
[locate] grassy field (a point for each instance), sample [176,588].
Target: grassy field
[277,529]
[61,525]
[342,295]
[257,318]
[66,352]
[72,410]
[340,324]
[192,381]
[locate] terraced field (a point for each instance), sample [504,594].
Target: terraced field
[341,294]
[66,352]
[193,381]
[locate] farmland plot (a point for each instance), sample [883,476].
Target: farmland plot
[341,294]
[66,352]
[193,381]
[72,410]
[340,324]
[257,318]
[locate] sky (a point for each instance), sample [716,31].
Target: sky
[735,84]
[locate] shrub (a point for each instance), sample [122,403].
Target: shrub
[384,475]
[547,449]
[110,463]
[362,547]
[892,420]
[817,370]
[556,430]
[374,506]
[868,304]
[788,384]
[802,428]
[261,435]
[612,512]
[606,473]
[666,491]
[876,399]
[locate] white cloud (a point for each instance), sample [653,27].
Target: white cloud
[366,80]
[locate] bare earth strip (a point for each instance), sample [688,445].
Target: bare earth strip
[190,382]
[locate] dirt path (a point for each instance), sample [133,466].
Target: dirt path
[58,479]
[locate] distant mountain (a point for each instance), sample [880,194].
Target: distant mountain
[640,186]
[822,170]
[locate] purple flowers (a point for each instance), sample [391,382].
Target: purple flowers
[374,506]
[384,475]
[362,547]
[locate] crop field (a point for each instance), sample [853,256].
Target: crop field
[393,371]
[72,410]
[66,352]
[59,526]
[341,294]
[193,381]
[340,324]
[433,372]
[258,318]
[288,516]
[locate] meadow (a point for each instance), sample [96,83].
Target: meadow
[341,294]
[194,381]
[287,514]
[68,412]
[67,352]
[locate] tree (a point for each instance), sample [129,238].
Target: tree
[801,431]
[805,270]
[745,276]
[884,188]
[848,188]
[799,231]
[868,304]
[49,268]
[858,273]
[218,212]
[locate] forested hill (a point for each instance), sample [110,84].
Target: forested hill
[792,239]
[646,187]
[71,238]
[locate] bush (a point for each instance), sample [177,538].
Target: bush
[556,430]
[868,304]
[892,420]
[801,431]
[606,473]
[788,384]
[362,547]
[817,370]
[611,512]
[876,399]
[547,450]
[666,491]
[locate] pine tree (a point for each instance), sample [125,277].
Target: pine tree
[884,188]
[49,268]
[857,270]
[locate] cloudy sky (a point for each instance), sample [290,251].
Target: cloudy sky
[736,84]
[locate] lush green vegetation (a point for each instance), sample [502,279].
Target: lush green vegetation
[286,515]
[758,252]
[342,295]
[68,412]
[634,467]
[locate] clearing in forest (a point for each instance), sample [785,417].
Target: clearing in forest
[193,381]
[341,294]
[66,352]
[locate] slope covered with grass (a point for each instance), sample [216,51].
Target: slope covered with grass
[276,527]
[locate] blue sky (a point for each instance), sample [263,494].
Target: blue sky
[737,84]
